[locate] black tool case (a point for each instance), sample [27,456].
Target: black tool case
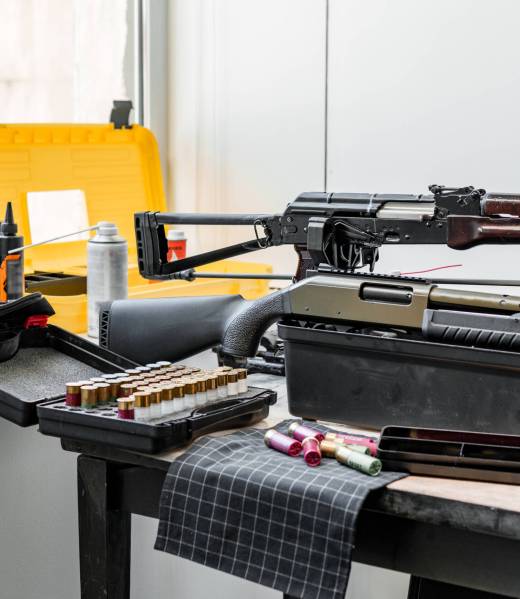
[46,359]
[32,389]
[371,382]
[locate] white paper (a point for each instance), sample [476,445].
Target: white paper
[54,213]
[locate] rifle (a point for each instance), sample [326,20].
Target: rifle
[342,230]
[334,234]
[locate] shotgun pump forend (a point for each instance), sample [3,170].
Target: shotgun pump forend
[344,230]
[173,328]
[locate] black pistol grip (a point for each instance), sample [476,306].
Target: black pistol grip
[244,330]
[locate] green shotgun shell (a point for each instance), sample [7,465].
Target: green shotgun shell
[358,461]
[359,448]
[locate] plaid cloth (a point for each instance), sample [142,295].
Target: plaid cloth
[233,504]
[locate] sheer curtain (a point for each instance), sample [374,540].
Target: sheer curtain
[61,60]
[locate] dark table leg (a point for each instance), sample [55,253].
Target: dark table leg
[423,588]
[104,534]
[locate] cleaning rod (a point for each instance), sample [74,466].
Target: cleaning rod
[32,245]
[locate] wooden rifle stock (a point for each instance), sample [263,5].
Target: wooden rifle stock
[467,231]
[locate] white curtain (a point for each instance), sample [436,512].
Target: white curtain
[61,60]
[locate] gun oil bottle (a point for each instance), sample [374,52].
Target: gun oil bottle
[11,265]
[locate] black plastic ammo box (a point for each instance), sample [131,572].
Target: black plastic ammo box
[372,382]
[46,357]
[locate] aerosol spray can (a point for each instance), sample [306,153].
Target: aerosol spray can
[11,265]
[107,271]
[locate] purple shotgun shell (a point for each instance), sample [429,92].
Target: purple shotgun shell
[301,431]
[311,451]
[283,443]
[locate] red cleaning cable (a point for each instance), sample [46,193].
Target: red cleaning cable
[418,272]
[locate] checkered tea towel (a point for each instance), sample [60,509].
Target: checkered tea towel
[233,504]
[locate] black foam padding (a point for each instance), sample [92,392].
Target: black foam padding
[37,373]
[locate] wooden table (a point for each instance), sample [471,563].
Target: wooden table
[456,538]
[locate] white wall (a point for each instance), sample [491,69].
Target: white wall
[426,92]
[247,109]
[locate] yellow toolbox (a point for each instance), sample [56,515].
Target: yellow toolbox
[117,171]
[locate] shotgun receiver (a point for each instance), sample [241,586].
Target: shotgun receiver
[343,230]
[170,327]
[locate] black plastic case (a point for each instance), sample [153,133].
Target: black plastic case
[102,425]
[47,358]
[448,453]
[32,385]
[372,382]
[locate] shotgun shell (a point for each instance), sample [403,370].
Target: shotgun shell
[142,405]
[109,377]
[232,383]
[190,392]
[311,451]
[167,400]
[103,393]
[212,388]
[115,387]
[97,379]
[143,387]
[195,369]
[328,448]
[347,439]
[358,461]
[88,396]
[283,443]
[178,398]
[201,399]
[359,449]
[222,385]
[126,389]
[163,363]
[73,395]
[142,369]
[242,380]
[224,369]
[125,408]
[132,371]
[155,403]
[300,431]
